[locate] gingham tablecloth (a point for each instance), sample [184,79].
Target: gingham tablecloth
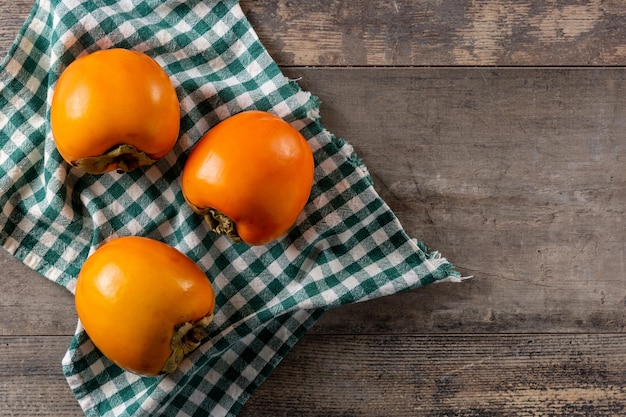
[347,245]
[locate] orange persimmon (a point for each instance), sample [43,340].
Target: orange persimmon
[114,109]
[250,176]
[143,303]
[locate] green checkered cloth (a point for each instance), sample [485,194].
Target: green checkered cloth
[347,246]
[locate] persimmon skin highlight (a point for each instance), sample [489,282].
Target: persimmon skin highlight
[132,296]
[255,170]
[110,98]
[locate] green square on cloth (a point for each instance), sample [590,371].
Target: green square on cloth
[347,245]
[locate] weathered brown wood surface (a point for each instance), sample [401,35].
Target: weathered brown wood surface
[435,32]
[515,174]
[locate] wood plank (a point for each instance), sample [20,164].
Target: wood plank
[31,304]
[12,16]
[375,375]
[516,175]
[426,33]
[31,378]
[517,375]
[432,32]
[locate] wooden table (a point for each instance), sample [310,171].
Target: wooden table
[496,130]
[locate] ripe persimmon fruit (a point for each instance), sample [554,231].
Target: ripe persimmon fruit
[250,176]
[114,109]
[144,304]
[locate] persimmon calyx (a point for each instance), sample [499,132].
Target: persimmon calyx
[218,222]
[186,339]
[222,224]
[123,158]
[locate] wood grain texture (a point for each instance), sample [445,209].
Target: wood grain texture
[424,33]
[434,32]
[12,16]
[515,174]
[31,379]
[31,305]
[432,375]
[477,376]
